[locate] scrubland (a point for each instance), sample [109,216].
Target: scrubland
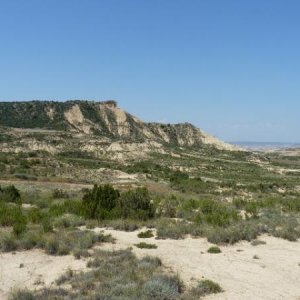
[201,223]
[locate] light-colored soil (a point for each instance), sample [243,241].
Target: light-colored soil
[39,269]
[274,275]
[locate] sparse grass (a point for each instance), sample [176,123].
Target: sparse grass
[257,243]
[63,242]
[68,220]
[214,249]
[144,245]
[22,295]
[121,224]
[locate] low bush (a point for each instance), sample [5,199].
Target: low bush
[12,215]
[146,234]
[68,220]
[214,250]
[136,204]
[60,194]
[66,207]
[162,287]
[216,213]
[172,229]
[10,194]
[234,233]
[100,202]
[204,288]
[8,242]
[121,224]
[144,245]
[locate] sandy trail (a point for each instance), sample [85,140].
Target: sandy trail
[39,270]
[275,275]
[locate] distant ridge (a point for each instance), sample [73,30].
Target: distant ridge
[266,145]
[102,119]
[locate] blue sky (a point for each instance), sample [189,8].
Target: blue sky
[230,67]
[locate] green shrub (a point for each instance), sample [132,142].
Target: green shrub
[136,204]
[47,225]
[146,234]
[168,207]
[78,253]
[162,287]
[216,213]
[19,226]
[9,214]
[144,245]
[177,229]
[10,194]
[68,206]
[100,201]
[59,194]
[178,176]
[30,239]
[233,233]
[214,249]
[52,245]
[8,243]
[68,220]
[204,287]
[34,215]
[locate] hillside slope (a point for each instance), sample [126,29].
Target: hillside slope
[101,119]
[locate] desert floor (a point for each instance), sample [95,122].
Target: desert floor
[273,274]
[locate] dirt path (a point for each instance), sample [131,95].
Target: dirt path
[38,270]
[275,275]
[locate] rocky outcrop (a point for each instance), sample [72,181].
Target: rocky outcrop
[102,120]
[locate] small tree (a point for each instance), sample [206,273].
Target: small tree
[100,201]
[137,204]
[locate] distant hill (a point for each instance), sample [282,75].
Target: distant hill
[101,119]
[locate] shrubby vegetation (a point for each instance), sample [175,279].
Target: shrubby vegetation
[104,202]
[10,194]
[120,275]
[220,222]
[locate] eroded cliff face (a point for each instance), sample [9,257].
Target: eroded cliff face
[97,121]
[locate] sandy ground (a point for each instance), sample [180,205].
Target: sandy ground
[274,275]
[39,269]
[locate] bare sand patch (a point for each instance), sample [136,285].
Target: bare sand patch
[33,269]
[274,275]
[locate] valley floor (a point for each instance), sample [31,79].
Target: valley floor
[244,271]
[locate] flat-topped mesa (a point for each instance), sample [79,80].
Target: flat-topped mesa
[101,119]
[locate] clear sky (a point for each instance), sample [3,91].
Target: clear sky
[231,67]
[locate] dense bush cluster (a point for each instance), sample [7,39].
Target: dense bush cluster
[10,194]
[105,202]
